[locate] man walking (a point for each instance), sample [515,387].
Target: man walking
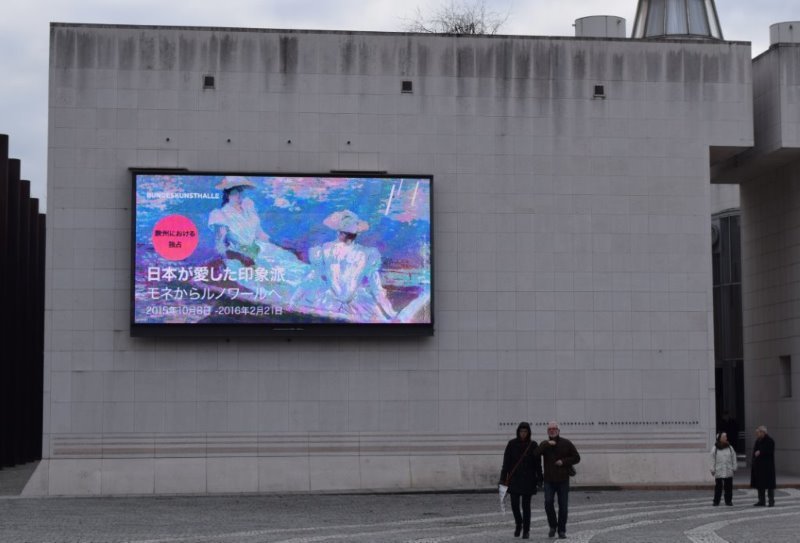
[762,474]
[558,455]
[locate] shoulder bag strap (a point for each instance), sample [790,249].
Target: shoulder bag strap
[521,458]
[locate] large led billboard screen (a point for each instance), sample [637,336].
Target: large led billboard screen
[244,254]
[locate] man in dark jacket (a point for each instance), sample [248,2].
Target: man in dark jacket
[558,455]
[521,472]
[762,473]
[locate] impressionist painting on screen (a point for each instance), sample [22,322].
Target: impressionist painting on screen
[285,252]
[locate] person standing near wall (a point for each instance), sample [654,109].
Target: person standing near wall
[521,472]
[762,473]
[558,455]
[723,464]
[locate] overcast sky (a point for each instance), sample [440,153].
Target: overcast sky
[24,36]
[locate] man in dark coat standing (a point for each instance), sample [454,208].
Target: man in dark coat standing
[558,455]
[521,472]
[762,473]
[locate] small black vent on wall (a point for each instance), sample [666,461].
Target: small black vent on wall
[599,91]
[208,82]
[407,87]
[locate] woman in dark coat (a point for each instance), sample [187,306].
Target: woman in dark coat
[762,474]
[522,472]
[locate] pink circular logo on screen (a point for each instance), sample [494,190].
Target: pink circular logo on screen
[175,237]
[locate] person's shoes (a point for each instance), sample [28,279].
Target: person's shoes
[759,504]
[518,530]
[771,504]
[716,504]
[551,533]
[728,504]
[526,535]
[562,535]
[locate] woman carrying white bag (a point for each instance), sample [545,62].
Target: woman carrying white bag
[521,473]
[723,464]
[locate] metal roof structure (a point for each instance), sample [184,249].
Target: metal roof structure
[692,19]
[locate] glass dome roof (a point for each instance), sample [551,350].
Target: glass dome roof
[695,19]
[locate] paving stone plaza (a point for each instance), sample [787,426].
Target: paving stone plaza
[596,516]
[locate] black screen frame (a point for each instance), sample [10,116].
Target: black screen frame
[231,330]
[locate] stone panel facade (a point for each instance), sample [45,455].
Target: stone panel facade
[571,252]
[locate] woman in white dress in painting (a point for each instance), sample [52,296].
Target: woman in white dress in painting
[344,282]
[249,256]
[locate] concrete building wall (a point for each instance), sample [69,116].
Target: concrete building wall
[770,193]
[776,80]
[788,72]
[770,249]
[724,197]
[572,257]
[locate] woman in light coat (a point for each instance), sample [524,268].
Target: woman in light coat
[723,464]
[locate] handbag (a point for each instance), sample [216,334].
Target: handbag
[503,490]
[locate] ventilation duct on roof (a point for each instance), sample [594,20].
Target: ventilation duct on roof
[600,26]
[788,32]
